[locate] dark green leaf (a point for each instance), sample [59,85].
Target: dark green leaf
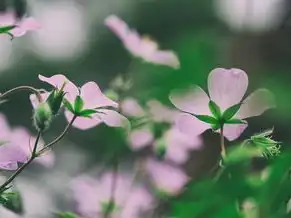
[215,126]
[68,105]
[207,119]
[236,121]
[87,113]
[230,112]
[5,29]
[12,201]
[79,103]
[215,110]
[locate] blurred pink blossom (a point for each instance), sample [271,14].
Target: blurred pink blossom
[93,99]
[17,147]
[166,178]
[139,46]
[92,194]
[22,26]
[226,87]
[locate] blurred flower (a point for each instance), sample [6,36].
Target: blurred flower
[94,196]
[167,179]
[88,103]
[226,88]
[138,46]
[17,147]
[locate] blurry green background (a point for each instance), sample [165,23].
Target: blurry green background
[249,34]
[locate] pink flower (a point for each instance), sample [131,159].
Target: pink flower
[22,26]
[139,46]
[166,178]
[226,88]
[129,200]
[93,99]
[17,147]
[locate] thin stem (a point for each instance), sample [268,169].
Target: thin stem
[20,169]
[222,146]
[56,140]
[21,88]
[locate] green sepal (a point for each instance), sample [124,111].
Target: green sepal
[230,112]
[235,121]
[66,215]
[68,105]
[207,119]
[12,201]
[55,100]
[87,113]
[78,106]
[215,110]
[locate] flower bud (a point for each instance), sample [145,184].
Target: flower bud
[55,101]
[42,116]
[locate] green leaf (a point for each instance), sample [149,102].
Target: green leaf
[68,105]
[79,103]
[87,113]
[236,121]
[12,201]
[207,119]
[66,215]
[230,112]
[5,29]
[215,110]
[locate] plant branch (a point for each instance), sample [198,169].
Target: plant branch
[21,88]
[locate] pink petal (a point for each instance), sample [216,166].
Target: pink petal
[111,118]
[190,125]
[227,87]
[8,165]
[34,100]
[58,81]
[140,138]
[7,18]
[161,113]
[130,107]
[166,177]
[256,104]
[11,153]
[82,123]
[193,100]
[94,98]
[30,23]
[177,154]
[168,58]
[233,131]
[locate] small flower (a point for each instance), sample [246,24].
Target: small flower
[17,147]
[226,89]
[11,26]
[88,103]
[129,199]
[141,47]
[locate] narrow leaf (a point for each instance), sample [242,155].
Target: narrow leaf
[236,121]
[87,113]
[5,29]
[207,119]
[230,112]
[79,103]
[215,110]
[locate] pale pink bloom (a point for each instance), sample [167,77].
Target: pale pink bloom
[17,147]
[93,99]
[166,178]
[22,26]
[129,200]
[139,46]
[226,87]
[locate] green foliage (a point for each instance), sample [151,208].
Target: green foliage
[78,106]
[11,199]
[215,110]
[230,112]
[66,215]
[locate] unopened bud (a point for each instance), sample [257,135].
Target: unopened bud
[42,116]
[55,101]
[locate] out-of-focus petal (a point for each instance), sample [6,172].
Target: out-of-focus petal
[233,131]
[82,123]
[58,81]
[117,26]
[190,125]
[130,107]
[111,118]
[11,153]
[256,104]
[26,24]
[140,138]
[168,58]
[47,159]
[7,18]
[161,113]
[34,100]
[177,154]
[166,177]
[192,100]
[227,87]
[94,98]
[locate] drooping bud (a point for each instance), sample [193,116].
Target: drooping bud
[42,116]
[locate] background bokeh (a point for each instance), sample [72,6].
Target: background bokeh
[253,35]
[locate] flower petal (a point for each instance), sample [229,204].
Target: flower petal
[140,138]
[190,125]
[94,98]
[192,100]
[130,107]
[227,86]
[168,58]
[256,104]
[111,118]
[7,18]
[161,113]
[34,100]
[233,131]
[11,153]
[82,123]
[58,81]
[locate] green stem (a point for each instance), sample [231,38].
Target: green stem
[222,145]
[20,169]
[21,88]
